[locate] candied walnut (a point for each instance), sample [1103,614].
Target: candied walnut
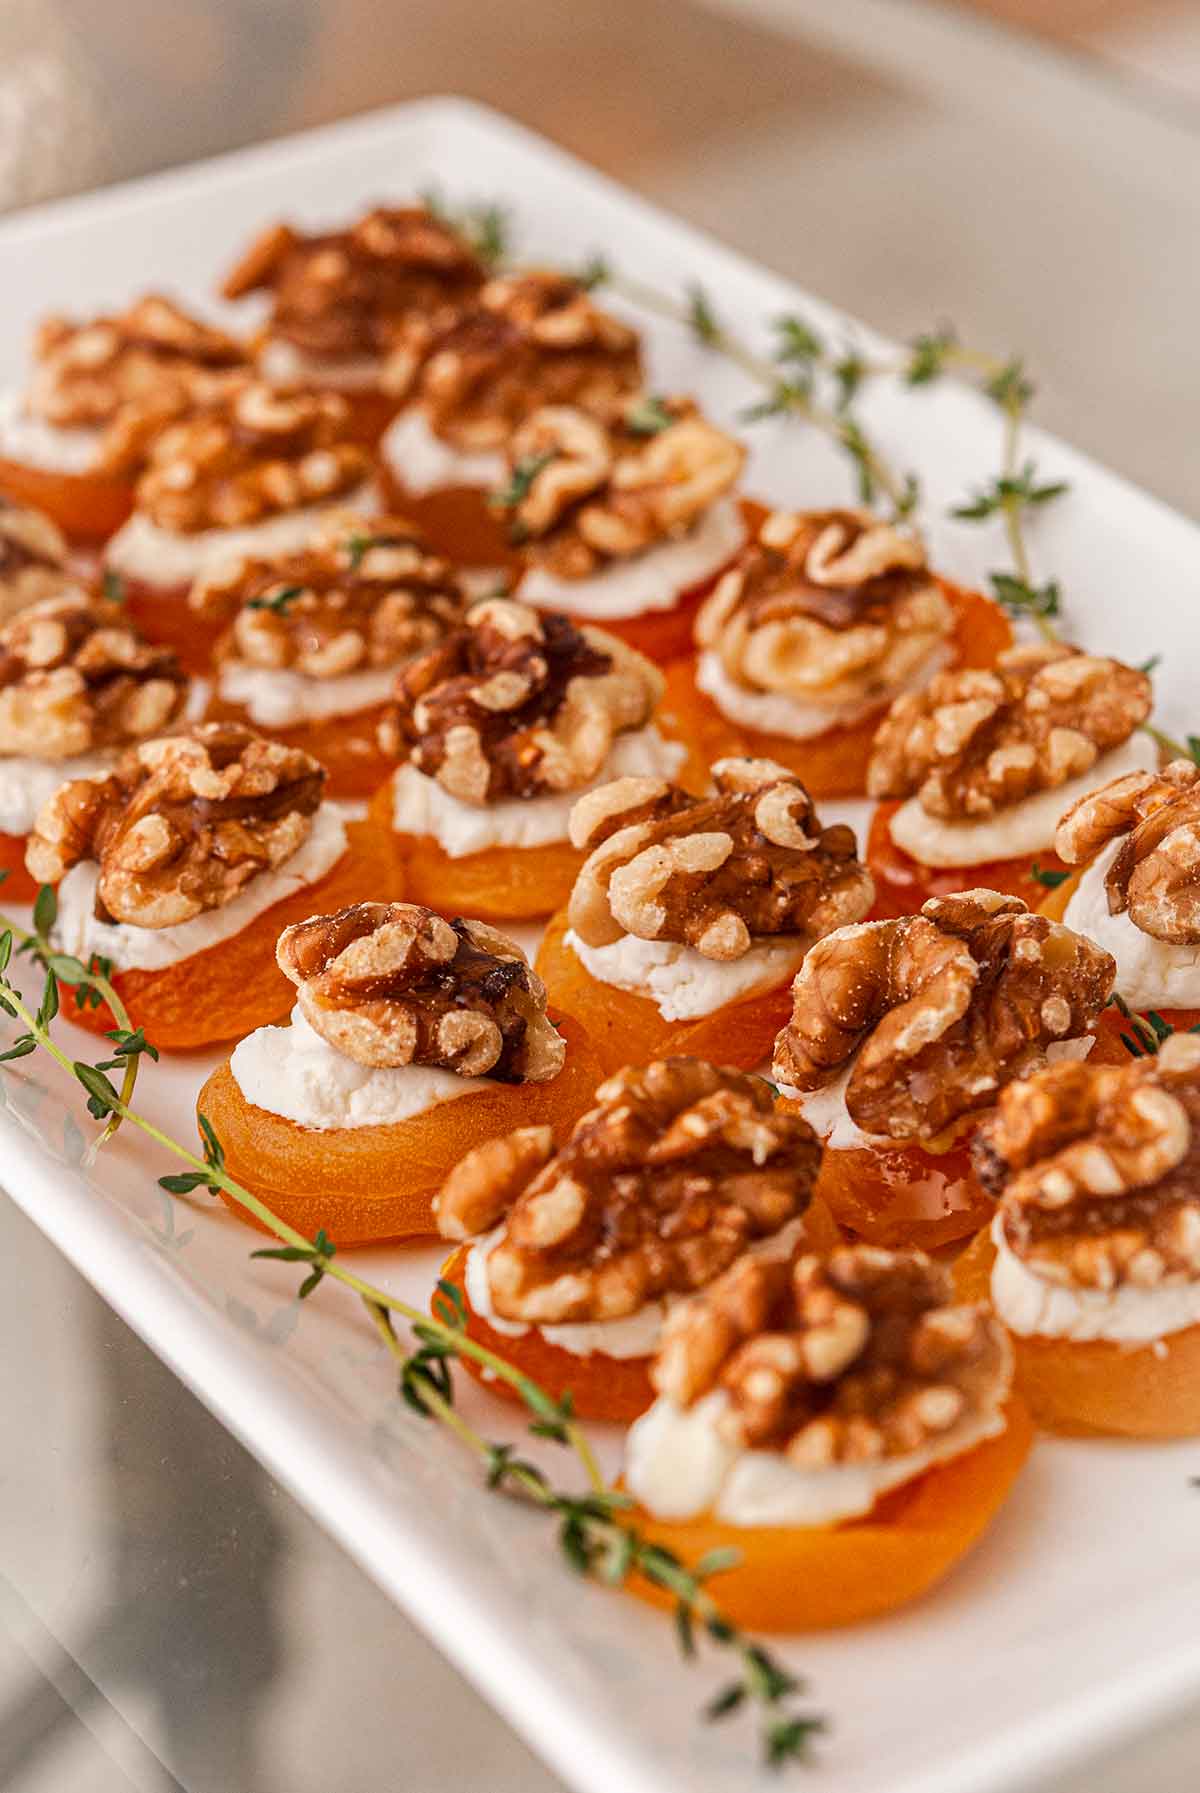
[127,374]
[851,1358]
[516,704]
[1098,1170]
[182,824]
[934,1013]
[1154,877]
[661,1185]
[828,607]
[364,592]
[530,339]
[715,873]
[33,559]
[977,741]
[395,984]
[75,677]
[84,373]
[254,452]
[584,492]
[343,294]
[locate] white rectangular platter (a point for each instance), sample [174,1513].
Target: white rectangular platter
[1075,1619]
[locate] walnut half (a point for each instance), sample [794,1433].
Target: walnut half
[75,677]
[396,984]
[976,741]
[1098,1169]
[249,453]
[364,592]
[715,873]
[344,294]
[833,608]
[182,824]
[936,1012]
[850,1358]
[585,492]
[1154,877]
[535,338]
[517,703]
[661,1185]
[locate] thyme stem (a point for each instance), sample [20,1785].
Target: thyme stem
[595,1540]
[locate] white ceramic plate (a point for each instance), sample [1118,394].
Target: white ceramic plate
[1075,1619]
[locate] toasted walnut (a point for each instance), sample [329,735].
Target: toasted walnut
[33,559]
[75,677]
[343,294]
[252,453]
[84,373]
[584,492]
[1154,876]
[715,873]
[395,984]
[530,339]
[182,824]
[363,592]
[127,374]
[828,607]
[661,1185]
[1098,1167]
[938,1011]
[515,704]
[851,1358]
[976,741]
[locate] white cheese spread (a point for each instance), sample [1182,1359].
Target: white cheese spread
[277,697]
[681,982]
[646,582]
[1151,974]
[166,558]
[422,463]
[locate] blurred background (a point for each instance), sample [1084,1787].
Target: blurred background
[1028,168]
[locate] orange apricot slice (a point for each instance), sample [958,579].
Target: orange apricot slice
[368,1184]
[230,989]
[347,746]
[628,1029]
[17,885]
[162,614]
[457,522]
[813,1578]
[902,883]
[903,1195]
[88,507]
[1096,1387]
[833,764]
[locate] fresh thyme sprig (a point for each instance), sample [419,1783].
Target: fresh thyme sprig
[1147,1032]
[91,985]
[279,601]
[596,1536]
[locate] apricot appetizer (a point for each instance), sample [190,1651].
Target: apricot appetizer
[839,1421]
[625,521]
[470,374]
[1135,888]
[412,1039]
[904,1032]
[504,724]
[1093,1261]
[180,866]
[572,1258]
[77,685]
[690,915]
[339,298]
[978,768]
[250,472]
[823,619]
[314,638]
[71,443]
